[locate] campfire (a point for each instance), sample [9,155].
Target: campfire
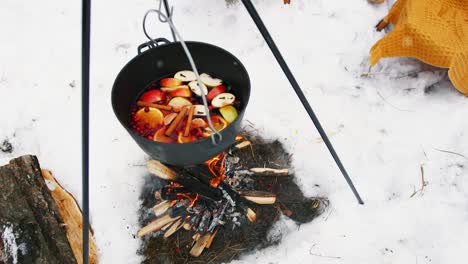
[223,195]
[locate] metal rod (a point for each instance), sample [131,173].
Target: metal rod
[266,35]
[169,15]
[85,38]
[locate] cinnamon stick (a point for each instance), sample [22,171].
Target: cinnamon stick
[163,107]
[176,122]
[189,121]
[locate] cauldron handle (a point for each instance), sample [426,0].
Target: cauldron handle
[151,44]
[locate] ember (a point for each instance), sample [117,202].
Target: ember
[224,200]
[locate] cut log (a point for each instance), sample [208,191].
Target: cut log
[156,225]
[259,197]
[269,172]
[30,222]
[72,217]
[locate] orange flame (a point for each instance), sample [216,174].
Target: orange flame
[192,200]
[216,166]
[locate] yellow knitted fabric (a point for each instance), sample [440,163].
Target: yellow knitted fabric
[434,31]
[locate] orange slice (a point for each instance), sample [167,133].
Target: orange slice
[150,116]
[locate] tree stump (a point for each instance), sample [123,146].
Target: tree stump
[31,228]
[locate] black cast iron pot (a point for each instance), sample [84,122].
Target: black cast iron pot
[162,60]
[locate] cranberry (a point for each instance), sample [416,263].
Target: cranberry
[147,109]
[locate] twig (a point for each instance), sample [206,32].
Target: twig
[451,152]
[322,256]
[385,100]
[423,183]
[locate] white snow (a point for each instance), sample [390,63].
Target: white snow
[9,242]
[382,124]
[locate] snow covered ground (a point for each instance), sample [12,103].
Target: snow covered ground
[386,124]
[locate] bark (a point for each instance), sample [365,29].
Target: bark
[31,227]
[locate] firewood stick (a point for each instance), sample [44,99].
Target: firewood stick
[196,236]
[187,226]
[259,197]
[156,225]
[174,228]
[161,208]
[198,248]
[166,226]
[176,122]
[189,121]
[212,236]
[243,144]
[158,106]
[270,171]
[160,170]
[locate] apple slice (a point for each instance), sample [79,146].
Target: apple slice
[229,113]
[185,76]
[169,118]
[215,91]
[171,89]
[182,92]
[198,122]
[153,96]
[223,99]
[178,102]
[196,88]
[170,82]
[160,136]
[199,110]
[150,116]
[210,81]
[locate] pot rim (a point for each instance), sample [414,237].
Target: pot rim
[241,112]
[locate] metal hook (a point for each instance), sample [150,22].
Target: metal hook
[216,136]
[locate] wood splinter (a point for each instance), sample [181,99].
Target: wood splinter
[156,225]
[198,248]
[161,208]
[242,145]
[259,197]
[270,172]
[174,228]
[212,236]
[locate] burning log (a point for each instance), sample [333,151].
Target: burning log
[156,225]
[162,171]
[269,172]
[259,197]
